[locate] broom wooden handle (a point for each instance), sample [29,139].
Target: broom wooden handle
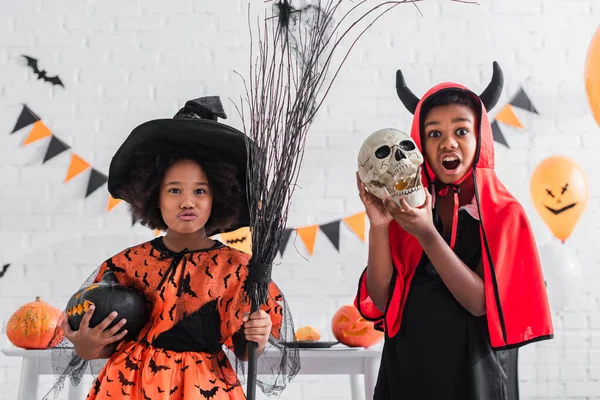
[252,362]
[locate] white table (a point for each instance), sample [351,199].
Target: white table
[339,360]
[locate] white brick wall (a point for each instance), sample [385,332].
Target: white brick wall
[124,61]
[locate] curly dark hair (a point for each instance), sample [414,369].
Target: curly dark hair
[149,166]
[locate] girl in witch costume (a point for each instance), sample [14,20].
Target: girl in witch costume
[455,284]
[185,175]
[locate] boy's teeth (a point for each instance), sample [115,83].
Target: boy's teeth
[449,159]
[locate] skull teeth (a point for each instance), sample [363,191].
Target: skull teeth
[410,190]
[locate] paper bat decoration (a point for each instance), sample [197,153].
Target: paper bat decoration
[41,74]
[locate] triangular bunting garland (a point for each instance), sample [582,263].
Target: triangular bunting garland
[332,231]
[26,118]
[284,240]
[97,179]
[39,131]
[498,135]
[112,203]
[507,116]
[522,101]
[77,166]
[55,147]
[356,223]
[308,234]
[4,269]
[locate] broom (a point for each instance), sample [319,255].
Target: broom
[289,80]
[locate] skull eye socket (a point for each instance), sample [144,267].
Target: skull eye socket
[407,145]
[382,152]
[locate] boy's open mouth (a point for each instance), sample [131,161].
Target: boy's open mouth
[450,163]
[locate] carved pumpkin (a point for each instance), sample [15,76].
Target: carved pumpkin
[107,296]
[33,326]
[351,329]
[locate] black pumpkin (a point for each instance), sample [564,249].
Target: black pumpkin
[107,296]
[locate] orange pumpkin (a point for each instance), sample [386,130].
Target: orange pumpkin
[351,329]
[33,326]
[307,333]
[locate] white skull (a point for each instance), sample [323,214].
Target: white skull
[389,162]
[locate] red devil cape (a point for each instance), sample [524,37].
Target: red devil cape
[517,305]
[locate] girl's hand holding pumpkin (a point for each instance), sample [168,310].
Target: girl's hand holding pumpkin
[91,343]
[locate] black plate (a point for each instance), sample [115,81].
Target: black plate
[309,344]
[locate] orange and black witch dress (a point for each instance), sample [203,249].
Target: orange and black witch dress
[196,301]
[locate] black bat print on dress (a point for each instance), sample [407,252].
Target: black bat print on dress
[145,397]
[108,394]
[108,379]
[171,317]
[145,281]
[131,364]
[214,259]
[126,254]
[237,272]
[124,393]
[225,278]
[96,386]
[160,390]
[208,394]
[156,368]
[124,381]
[162,293]
[136,274]
[173,390]
[207,272]
[229,261]
[228,390]
[111,266]
[185,286]
[228,304]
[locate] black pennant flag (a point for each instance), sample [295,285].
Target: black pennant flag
[55,147]
[97,179]
[521,100]
[26,118]
[498,135]
[4,268]
[332,231]
[284,240]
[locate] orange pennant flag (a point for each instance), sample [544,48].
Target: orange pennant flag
[308,234]
[356,222]
[77,166]
[112,203]
[157,232]
[507,116]
[39,131]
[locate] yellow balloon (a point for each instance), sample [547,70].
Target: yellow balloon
[592,75]
[559,191]
[240,239]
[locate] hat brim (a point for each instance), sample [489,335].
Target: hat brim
[227,142]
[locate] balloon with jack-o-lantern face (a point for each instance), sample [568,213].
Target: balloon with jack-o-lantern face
[559,190]
[351,329]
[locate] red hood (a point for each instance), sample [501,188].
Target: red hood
[484,158]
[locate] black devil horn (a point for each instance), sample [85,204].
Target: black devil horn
[492,92]
[407,97]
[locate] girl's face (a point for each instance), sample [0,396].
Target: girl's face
[185,197]
[450,141]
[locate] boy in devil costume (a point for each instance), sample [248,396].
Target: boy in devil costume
[456,284]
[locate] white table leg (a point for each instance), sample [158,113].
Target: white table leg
[371,367]
[76,392]
[355,388]
[28,385]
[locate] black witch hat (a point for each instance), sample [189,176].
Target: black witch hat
[195,124]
